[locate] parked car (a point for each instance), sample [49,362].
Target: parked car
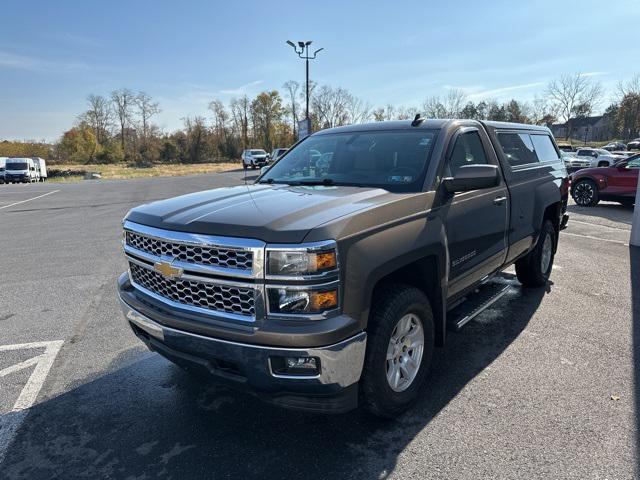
[634,144]
[21,170]
[618,183]
[41,167]
[277,153]
[565,147]
[624,154]
[613,146]
[254,158]
[3,160]
[597,157]
[321,287]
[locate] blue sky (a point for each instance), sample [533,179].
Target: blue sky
[184,54]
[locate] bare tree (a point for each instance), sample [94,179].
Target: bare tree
[406,113]
[220,118]
[292,88]
[574,95]
[240,112]
[330,106]
[357,110]
[123,101]
[147,108]
[434,108]
[99,116]
[631,86]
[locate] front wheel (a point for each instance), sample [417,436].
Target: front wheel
[603,164]
[534,269]
[400,345]
[585,193]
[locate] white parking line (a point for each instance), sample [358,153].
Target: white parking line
[598,225]
[595,238]
[10,422]
[29,199]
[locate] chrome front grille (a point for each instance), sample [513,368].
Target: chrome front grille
[210,296]
[216,276]
[198,254]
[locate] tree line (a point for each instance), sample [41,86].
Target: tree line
[120,126]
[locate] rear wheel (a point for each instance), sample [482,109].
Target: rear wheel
[534,269]
[603,164]
[400,345]
[585,193]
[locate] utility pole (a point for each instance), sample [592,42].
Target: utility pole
[302,50]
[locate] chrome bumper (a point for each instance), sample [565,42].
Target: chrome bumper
[340,364]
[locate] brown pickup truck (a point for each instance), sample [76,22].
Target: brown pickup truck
[329,281]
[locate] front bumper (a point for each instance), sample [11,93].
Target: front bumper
[248,366]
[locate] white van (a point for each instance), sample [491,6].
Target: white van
[20,170]
[3,160]
[41,167]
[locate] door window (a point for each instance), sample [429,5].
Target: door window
[633,164]
[468,150]
[517,148]
[545,151]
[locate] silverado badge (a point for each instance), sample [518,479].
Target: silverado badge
[167,270]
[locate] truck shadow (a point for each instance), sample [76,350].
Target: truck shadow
[149,419]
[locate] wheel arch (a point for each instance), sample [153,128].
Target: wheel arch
[424,270]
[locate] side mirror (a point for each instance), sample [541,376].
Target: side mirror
[472,177]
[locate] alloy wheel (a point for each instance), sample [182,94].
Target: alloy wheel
[404,353]
[583,193]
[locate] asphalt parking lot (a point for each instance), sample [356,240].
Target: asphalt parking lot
[541,385]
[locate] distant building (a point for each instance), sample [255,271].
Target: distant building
[589,129]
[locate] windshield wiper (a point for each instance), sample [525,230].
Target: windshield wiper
[324,181]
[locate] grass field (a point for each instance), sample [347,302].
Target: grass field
[123,171]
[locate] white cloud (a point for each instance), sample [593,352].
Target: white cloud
[475,92]
[593,74]
[33,64]
[243,89]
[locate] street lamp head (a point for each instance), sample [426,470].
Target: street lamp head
[291,43]
[301,44]
[309,42]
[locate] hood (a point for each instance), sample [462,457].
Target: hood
[272,213]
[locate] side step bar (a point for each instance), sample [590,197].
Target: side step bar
[475,304]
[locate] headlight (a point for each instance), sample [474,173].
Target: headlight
[311,260]
[287,300]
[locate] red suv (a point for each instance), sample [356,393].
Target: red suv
[617,183]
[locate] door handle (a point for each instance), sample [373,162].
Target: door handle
[499,200]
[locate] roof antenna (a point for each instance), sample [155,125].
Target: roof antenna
[417,121]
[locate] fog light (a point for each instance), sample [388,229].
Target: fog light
[307,366]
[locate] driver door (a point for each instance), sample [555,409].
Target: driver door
[476,221]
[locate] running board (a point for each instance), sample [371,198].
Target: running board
[475,304]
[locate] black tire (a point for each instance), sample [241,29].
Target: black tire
[603,164]
[394,302]
[529,269]
[585,193]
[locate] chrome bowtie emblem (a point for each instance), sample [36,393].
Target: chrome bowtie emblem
[167,270]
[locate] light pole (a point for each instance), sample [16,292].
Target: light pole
[302,50]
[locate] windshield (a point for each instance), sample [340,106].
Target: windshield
[17,166]
[258,152]
[394,160]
